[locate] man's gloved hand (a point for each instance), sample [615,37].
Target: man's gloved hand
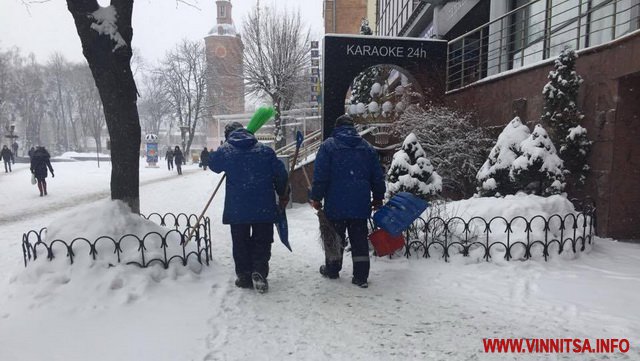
[316,204]
[376,204]
[53,175]
[283,201]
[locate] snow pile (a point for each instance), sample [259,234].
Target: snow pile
[77,155]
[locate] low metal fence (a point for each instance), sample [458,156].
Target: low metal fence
[520,235]
[142,251]
[526,236]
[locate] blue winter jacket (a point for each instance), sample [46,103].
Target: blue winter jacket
[253,174]
[346,172]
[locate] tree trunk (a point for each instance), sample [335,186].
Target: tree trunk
[111,71]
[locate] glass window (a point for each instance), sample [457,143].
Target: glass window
[527,33]
[564,25]
[601,22]
[627,12]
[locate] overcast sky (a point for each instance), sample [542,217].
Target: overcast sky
[157,24]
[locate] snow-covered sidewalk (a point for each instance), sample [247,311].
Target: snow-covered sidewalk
[413,309]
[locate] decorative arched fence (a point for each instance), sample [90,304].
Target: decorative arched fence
[142,251]
[519,237]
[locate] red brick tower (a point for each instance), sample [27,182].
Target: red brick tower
[224,55]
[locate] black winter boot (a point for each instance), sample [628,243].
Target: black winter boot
[325,273]
[259,283]
[244,281]
[360,283]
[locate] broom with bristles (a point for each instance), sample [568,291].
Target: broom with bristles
[258,119]
[331,242]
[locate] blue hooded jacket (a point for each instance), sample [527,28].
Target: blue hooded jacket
[346,172]
[253,173]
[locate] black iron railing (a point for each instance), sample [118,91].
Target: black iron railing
[527,237]
[142,251]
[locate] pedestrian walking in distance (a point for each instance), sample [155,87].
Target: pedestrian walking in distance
[204,158]
[253,174]
[178,158]
[7,157]
[169,157]
[348,177]
[40,162]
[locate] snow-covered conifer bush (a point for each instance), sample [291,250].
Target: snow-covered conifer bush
[494,177]
[561,113]
[575,151]
[451,141]
[412,172]
[538,170]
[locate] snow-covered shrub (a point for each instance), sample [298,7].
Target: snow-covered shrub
[451,140]
[412,172]
[494,177]
[562,115]
[538,170]
[575,151]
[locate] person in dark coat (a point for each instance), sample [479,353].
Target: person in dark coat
[349,178]
[30,153]
[169,157]
[40,161]
[178,158]
[204,158]
[7,157]
[253,174]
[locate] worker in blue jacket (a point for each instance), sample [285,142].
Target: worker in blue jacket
[349,178]
[254,176]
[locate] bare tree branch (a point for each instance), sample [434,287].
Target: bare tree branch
[276,55]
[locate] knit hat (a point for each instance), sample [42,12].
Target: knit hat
[231,127]
[344,120]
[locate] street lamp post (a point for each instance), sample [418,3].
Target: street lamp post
[12,137]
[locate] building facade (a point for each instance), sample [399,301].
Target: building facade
[345,16]
[499,55]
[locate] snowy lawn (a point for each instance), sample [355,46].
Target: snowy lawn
[413,309]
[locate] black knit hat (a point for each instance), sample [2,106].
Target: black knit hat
[344,120]
[229,128]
